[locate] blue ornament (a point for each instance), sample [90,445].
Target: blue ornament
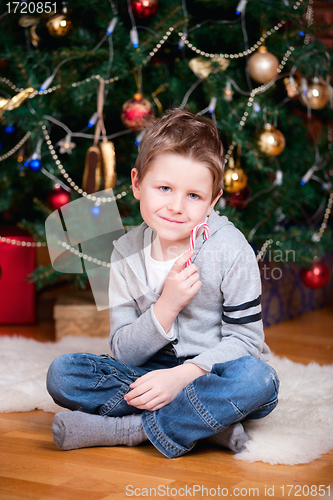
[9,129]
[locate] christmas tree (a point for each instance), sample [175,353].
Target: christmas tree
[77,78]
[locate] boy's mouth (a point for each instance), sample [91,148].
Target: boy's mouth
[172,221]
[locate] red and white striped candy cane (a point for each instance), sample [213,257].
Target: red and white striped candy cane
[194,235]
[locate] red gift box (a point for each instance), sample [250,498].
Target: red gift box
[17,296]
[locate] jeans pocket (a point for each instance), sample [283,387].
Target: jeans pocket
[107,368]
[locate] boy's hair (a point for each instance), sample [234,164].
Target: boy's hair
[180,132]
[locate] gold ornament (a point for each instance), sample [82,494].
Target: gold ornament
[263,65]
[235,178]
[202,68]
[31,23]
[17,100]
[108,164]
[3,102]
[92,170]
[316,96]
[271,142]
[59,25]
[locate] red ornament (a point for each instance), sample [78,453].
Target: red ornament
[58,197]
[315,276]
[240,199]
[134,110]
[144,8]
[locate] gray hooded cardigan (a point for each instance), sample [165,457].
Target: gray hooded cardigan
[221,323]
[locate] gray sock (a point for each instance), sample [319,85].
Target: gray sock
[75,429]
[234,438]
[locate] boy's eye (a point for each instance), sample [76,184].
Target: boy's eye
[165,189]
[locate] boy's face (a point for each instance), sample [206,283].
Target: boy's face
[175,195]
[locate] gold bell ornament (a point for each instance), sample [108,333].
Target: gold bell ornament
[270,141]
[263,65]
[235,178]
[100,161]
[316,95]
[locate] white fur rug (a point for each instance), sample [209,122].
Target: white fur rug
[299,430]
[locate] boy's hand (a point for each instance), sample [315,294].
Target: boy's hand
[158,388]
[181,284]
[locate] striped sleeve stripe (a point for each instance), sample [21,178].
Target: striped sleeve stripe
[242,307]
[242,321]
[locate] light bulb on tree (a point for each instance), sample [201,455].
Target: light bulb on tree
[66,145]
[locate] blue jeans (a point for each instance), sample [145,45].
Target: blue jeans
[245,388]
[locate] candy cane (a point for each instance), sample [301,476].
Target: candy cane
[194,235]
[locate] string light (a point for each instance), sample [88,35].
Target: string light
[241,6]
[111,26]
[139,137]
[93,119]
[228,92]
[134,37]
[212,105]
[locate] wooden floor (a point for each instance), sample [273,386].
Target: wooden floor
[32,467]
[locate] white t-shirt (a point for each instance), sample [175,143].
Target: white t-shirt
[157,271]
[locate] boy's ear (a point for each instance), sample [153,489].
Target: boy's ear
[215,200]
[135,183]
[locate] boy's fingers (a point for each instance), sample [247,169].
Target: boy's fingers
[179,264]
[138,391]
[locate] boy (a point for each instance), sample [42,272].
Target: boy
[187,340]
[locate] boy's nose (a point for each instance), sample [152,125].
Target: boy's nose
[176,205]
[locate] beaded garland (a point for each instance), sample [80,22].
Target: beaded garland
[70,180]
